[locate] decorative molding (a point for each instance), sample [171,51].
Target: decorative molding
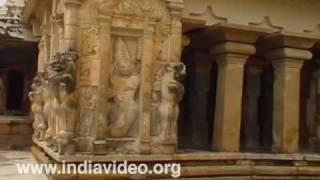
[266,23]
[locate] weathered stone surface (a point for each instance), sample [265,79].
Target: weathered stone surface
[110,85]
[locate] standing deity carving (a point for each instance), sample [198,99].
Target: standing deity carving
[124,83]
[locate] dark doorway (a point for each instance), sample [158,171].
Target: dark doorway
[15,91]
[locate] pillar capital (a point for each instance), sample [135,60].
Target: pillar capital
[233,48]
[288,63]
[288,53]
[175,7]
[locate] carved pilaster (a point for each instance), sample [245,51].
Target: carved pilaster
[175,7]
[103,72]
[146,87]
[71,23]
[57,35]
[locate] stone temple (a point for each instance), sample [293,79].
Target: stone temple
[229,89]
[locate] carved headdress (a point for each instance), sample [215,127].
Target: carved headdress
[122,52]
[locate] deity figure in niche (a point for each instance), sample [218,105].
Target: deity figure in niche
[124,82]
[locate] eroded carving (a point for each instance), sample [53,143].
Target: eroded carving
[55,103]
[124,84]
[167,95]
[39,122]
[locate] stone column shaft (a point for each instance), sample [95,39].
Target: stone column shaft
[287,63]
[146,55]
[105,61]
[231,58]
[286,105]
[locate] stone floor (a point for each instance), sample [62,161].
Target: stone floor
[8,161]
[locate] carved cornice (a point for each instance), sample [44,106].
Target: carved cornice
[267,14]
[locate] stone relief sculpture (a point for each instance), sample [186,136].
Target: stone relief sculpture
[113,108]
[167,95]
[48,98]
[55,103]
[39,123]
[124,84]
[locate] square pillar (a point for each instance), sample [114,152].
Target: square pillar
[233,45]
[228,102]
[287,63]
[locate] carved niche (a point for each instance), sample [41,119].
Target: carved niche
[124,82]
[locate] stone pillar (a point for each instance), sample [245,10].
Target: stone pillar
[71,23]
[251,129]
[233,45]
[175,7]
[288,54]
[100,144]
[56,26]
[61,36]
[146,55]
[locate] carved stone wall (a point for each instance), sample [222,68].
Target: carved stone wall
[126,75]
